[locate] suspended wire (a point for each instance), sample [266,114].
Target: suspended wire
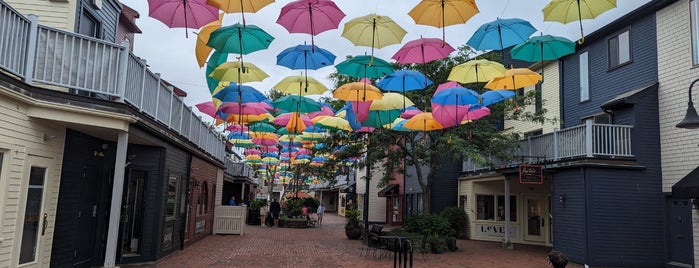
[504,8]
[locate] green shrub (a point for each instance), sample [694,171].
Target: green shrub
[352,216]
[457,219]
[431,225]
[311,203]
[292,207]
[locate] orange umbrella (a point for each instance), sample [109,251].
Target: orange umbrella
[201,50]
[357,91]
[513,79]
[423,122]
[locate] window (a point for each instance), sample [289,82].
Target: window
[170,206]
[486,208]
[89,25]
[694,21]
[203,199]
[584,77]
[619,50]
[501,208]
[537,98]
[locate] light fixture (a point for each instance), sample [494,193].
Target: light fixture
[691,119]
[48,137]
[562,198]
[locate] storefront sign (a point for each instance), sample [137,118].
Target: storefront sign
[495,230]
[167,238]
[200,226]
[531,174]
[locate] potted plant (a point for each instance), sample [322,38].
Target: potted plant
[254,212]
[352,229]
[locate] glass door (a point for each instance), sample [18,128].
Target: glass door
[132,214]
[535,225]
[34,219]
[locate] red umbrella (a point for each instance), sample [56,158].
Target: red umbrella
[310,16]
[182,13]
[423,50]
[207,108]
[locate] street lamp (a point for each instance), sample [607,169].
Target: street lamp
[691,119]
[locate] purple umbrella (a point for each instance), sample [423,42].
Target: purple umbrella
[422,50]
[182,13]
[310,16]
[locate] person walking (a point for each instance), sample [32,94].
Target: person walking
[263,213]
[232,201]
[319,214]
[274,210]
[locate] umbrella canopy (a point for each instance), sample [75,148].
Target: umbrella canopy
[398,125]
[249,118]
[310,16]
[238,72]
[296,103]
[239,6]
[501,33]
[455,96]
[410,112]
[182,14]
[262,127]
[514,78]
[375,31]
[201,50]
[207,108]
[442,13]
[446,85]
[364,67]
[544,47]
[475,112]
[243,108]
[450,115]
[379,118]
[239,93]
[333,123]
[288,118]
[305,57]
[236,128]
[216,59]
[422,122]
[404,80]
[423,50]
[357,91]
[325,109]
[301,85]
[494,96]
[475,71]
[390,101]
[566,11]
[240,39]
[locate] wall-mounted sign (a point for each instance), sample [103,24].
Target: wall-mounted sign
[531,174]
[200,226]
[495,230]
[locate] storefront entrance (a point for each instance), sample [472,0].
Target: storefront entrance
[535,224]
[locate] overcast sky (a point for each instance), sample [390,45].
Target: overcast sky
[168,51]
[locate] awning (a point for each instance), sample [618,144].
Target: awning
[687,187]
[349,189]
[390,190]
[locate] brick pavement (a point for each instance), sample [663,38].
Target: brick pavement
[327,246]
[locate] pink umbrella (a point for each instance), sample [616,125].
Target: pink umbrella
[365,130]
[361,109]
[283,119]
[207,108]
[251,151]
[304,151]
[182,13]
[450,115]
[264,142]
[324,110]
[310,16]
[269,149]
[365,80]
[407,114]
[446,85]
[476,114]
[236,128]
[244,108]
[423,50]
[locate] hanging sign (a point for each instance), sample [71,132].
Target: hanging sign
[531,174]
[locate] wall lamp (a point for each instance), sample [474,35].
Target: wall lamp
[691,119]
[562,198]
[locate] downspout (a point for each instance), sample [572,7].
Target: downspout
[561,111]
[587,215]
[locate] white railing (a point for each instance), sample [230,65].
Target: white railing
[583,141]
[230,219]
[109,71]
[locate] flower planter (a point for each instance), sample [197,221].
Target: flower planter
[353,232]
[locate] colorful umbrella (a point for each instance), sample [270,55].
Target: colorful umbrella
[310,16]
[305,57]
[446,85]
[455,96]
[544,47]
[379,118]
[364,67]
[243,108]
[325,109]
[450,115]
[333,123]
[501,33]
[357,91]
[262,127]
[566,11]
[239,93]
[296,103]
[216,59]
[182,14]
[513,79]
[373,31]
[239,39]
[301,85]
[475,112]
[423,122]
[238,72]
[410,112]
[398,125]
[390,101]
[201,50]
[494,96]
[207,108]
[289,118]
[236,128]
[475,71]
[442,13]
[423,50]
[404,80]
[239,6]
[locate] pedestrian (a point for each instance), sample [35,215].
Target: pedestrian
[557,259]
[304,210]
[319,214]
[274,210]
[232,201]
[263,213]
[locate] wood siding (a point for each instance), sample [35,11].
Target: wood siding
[60,15]
[550,92]
[108,17]
[443,192]
[202,172]
[377,205]
[20,137]
[569,227]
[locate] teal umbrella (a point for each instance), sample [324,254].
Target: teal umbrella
[378,118]
[239,39]
[296,103]
[262,127]
[541,48]
[217,58]
[363,67]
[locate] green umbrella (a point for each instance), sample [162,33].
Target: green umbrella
[541,48]
[362,66]
[378,118]
[217,58]
[296,103]
[262,127]
[239,39]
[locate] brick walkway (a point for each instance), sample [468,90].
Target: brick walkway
[327,246]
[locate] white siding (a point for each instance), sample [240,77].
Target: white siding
[219,187]
[377,205]
[21,136]
[55,14]
[550,96]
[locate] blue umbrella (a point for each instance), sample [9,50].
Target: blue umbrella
[494,96]
[305,57]
[240,93]
[404,80]
[455,96]
[501,33]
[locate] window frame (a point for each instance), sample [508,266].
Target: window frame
[4,176]
[614,49]
[694,30]
[584,88]
[495,197]
[538,97]
[175,195]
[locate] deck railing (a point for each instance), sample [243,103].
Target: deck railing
[584,141]
[83,65]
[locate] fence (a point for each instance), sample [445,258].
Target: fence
[230,219]
[89,66]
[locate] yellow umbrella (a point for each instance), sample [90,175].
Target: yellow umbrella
[238,72]
[357,91]
[423,122]
[394,123]
[239,6]
[201,50]
[334,123]
[566,11]
[297,85]
[475,71]
[442,13]
[318,118]
[513,79]
[373,31]
[264,135]
[249,118]
[390,101]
